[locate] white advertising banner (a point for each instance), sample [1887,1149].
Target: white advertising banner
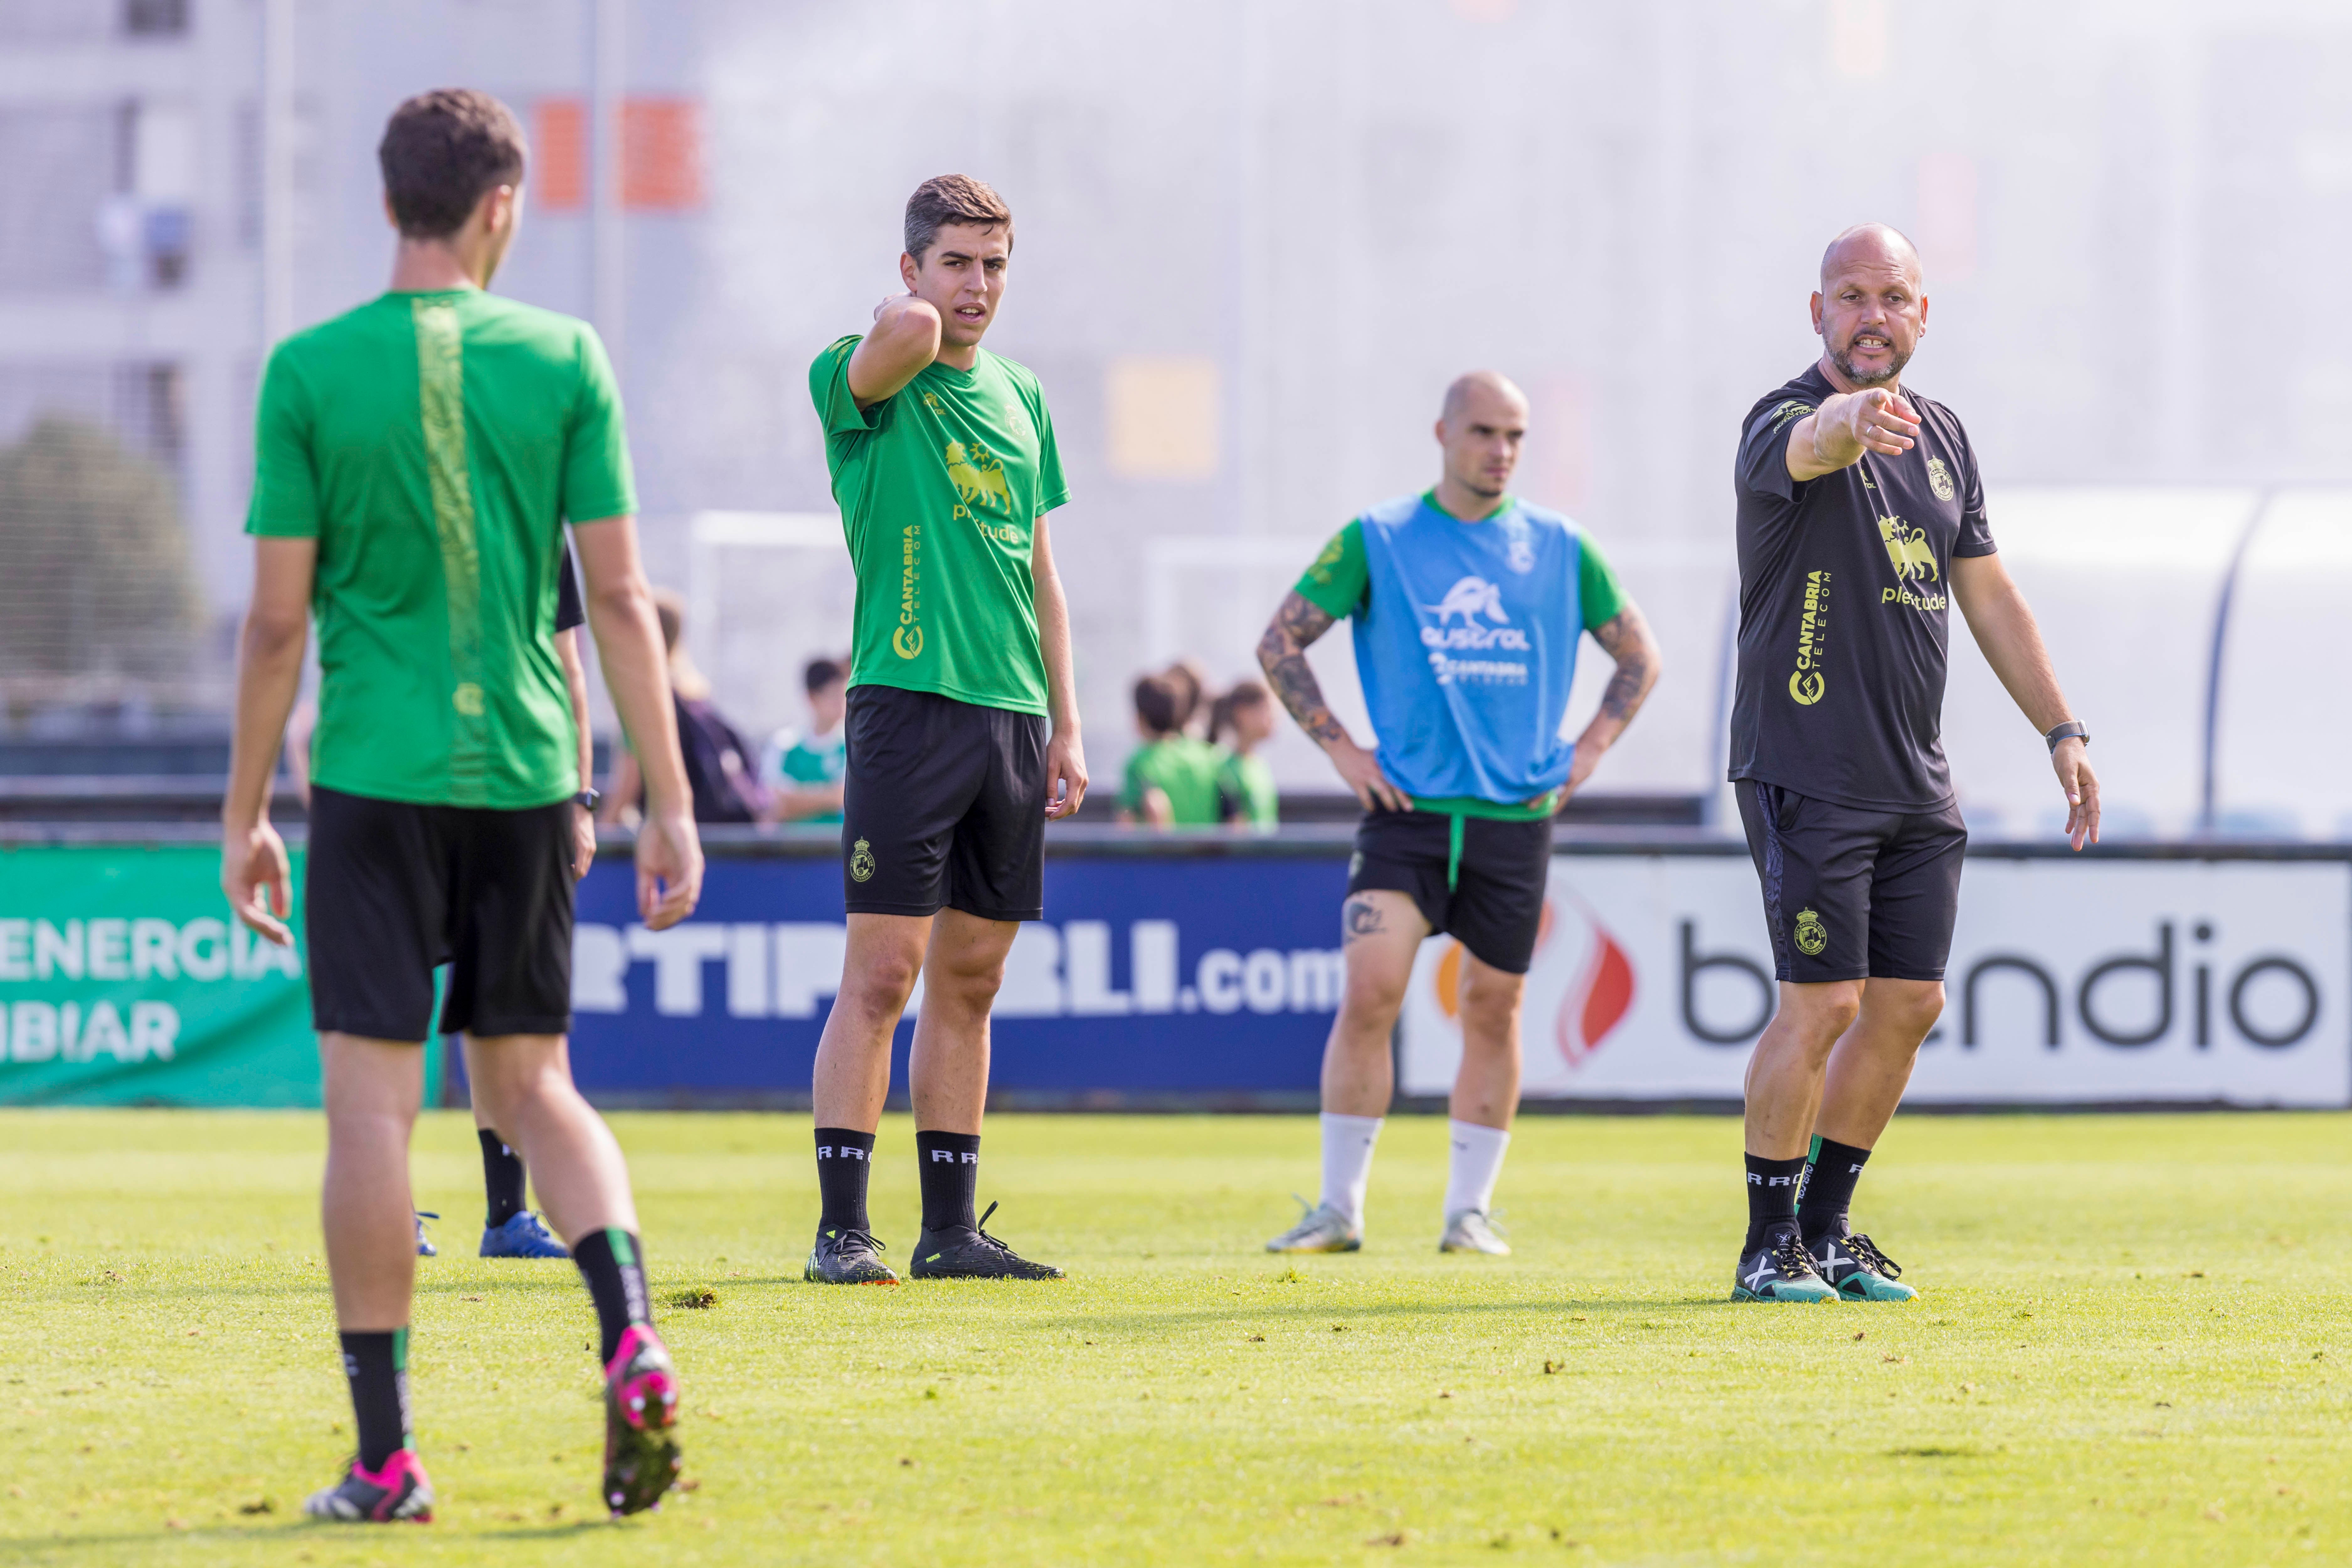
[2070,981]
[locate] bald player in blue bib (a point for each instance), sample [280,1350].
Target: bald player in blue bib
[1469,606]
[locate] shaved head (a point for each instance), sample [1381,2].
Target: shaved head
[1871,308]
[1476,389]
[1873,244]
[1479,431]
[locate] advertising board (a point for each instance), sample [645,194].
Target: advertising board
[2107,980]
[123,981]
[1152,974]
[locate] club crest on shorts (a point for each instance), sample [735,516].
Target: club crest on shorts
[1810,934]
[1939,478]
[861,862]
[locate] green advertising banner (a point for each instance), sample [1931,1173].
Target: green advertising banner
[125,981]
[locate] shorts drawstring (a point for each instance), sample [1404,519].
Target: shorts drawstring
[1452,850]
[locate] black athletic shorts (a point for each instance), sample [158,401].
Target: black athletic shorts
[943,805]
[1479,880]
[393,890]
[1851,894]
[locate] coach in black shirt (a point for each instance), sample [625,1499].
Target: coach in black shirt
[1861,519]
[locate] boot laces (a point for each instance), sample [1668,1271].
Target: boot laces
[1789,1255]
[1865,1252]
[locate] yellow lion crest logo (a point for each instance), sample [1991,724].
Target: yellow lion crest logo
[977,476]
[1912,554]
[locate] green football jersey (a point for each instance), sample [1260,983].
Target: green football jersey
[1182,768]
[434,444]
[1245,791]
[939,486]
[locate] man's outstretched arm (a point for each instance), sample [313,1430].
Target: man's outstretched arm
[2005,629]
[1846,425]
[1626,638]
[1282,654]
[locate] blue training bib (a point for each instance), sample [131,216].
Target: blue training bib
[1466,648]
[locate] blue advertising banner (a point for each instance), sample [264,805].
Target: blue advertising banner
[1180,975]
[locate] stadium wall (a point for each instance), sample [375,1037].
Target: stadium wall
[1202,973]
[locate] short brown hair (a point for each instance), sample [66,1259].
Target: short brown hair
[952,199]
[1156,703]
[441,151]
[1241,694]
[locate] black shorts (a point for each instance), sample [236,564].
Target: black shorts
[393,890]
[1479,880]
[1851,894]
[943,805]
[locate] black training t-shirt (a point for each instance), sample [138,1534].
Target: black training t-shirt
[1844,605]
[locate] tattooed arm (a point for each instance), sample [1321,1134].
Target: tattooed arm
[1282,654]
[1626,637]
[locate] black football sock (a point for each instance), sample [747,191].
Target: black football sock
[843,1160]
[949,1163]
[1771,1196]
[1830,1172]
[377,1366]
[612,1263]
[502,1179]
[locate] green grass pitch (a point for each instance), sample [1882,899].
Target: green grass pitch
[2132,1346]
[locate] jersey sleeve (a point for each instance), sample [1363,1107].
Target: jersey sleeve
[1598,593]
[1763,464]
[569,612]
[1053,490]
[1976,531]
[1134,779]
[1338,580]
[837,405]
[285,478]
[597,481]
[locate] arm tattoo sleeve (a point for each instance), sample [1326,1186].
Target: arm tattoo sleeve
[1282,654]
[1626,637]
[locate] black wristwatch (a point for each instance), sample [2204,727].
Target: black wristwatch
[587,799]
[2072,730]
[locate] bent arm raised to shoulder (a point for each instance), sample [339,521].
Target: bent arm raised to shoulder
[906,338]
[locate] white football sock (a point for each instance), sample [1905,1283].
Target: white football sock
[1477,1161]
[1348,1161]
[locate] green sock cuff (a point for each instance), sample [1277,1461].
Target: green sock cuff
[623,1252]
[399,1349]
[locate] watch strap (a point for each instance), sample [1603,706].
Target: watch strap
[2072,730]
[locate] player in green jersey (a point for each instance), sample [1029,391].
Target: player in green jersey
[963,721]
[415,459]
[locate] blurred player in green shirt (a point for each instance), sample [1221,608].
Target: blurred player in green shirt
[806,768]
[1171,778]
[1246,793]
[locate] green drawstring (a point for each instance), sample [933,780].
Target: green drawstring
[1453,850]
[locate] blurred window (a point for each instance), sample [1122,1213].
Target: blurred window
[155,18]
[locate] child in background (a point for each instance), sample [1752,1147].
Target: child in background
[1171,778]
[1189,679]
[804,771]
[1246,793]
